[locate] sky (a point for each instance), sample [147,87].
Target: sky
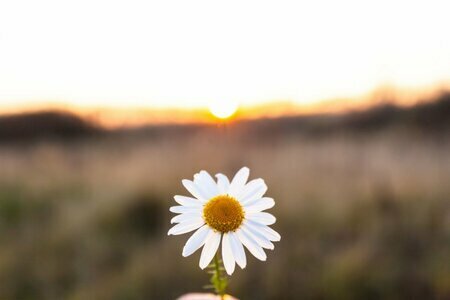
[189,54]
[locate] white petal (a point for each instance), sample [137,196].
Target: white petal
[260,238]
[194,190]
[223,183]
[261,217]
[185,217]
[206,184]
[210,248]
[227,254]
[238,250]
[196,240]
[271,234]
[255,200]
[259,205]
[241,176]
[187,201]
[255,189]
[186,226]
[251,245]
[184,209]
[239,181]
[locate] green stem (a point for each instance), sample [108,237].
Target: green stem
[219,289]
[219,282]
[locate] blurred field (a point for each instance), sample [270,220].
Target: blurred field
[362,205]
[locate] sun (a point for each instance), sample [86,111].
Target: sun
[223,109]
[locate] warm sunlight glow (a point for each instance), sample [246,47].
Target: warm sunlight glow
[223,109]
[183,54]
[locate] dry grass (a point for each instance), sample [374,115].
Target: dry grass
[361,217]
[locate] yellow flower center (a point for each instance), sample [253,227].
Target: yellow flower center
[223,213]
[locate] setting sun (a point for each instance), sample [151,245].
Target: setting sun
[223,109]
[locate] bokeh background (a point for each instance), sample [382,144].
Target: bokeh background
[362,201]
[343,108]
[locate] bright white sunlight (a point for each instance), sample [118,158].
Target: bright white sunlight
[187,54]
[223,109]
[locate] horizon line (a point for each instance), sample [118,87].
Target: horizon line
[110,116]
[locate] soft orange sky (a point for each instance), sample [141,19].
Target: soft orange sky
[189,54]
[131,116]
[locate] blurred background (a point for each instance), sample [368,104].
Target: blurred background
[342,107]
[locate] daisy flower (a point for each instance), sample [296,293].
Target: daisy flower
[231,212]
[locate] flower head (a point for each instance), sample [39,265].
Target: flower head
[231,212]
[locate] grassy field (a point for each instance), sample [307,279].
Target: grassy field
[363,214]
